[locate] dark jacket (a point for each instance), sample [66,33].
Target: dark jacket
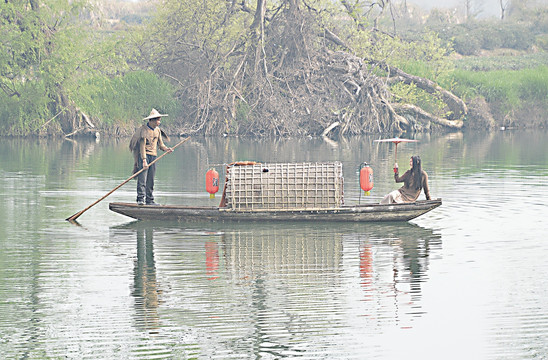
[408,191]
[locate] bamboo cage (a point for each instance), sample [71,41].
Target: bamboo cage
[284,186]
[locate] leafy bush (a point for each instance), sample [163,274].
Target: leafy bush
[25,114]
[490,38]
[466,44]
[540,21]
[542,42]
[426,57]
[516,36]
[412,95]
[469,38]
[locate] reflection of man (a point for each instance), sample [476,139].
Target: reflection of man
[145,288]
[144,144]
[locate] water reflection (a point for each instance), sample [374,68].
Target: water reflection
[146,292]
[138,238]
[393,264]
[250,249]
[212,260]
[277,290]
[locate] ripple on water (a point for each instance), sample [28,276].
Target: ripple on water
[472,273]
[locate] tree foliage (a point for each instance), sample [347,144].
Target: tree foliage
[279,67]
[38,56]
[58,64]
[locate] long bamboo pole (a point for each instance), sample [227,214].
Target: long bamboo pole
[77,215]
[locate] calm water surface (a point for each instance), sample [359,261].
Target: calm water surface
[468,280]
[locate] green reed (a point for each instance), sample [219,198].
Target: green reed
[127,98]
[510,88]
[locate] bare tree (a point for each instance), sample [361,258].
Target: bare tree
[374,9]
[503,6]
[472,8]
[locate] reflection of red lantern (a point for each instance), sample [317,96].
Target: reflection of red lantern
[366,178]
[366,265]
[212,182]
[212,260]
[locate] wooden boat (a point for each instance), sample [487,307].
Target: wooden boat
[280,191]
[350,213]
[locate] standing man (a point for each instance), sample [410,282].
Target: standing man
[144,145]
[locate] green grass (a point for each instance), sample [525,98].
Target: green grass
[511,88]
[502,62]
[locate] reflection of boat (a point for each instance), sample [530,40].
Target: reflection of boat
[250,278]
[356,213]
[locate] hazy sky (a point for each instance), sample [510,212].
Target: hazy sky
[490,7]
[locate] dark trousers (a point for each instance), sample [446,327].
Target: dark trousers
[145,181]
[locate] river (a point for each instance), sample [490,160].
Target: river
[467,280]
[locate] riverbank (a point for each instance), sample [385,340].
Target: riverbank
[495,97]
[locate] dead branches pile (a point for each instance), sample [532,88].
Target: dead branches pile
[331,87]
[297,83]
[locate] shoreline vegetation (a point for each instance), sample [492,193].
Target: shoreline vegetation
[285,68]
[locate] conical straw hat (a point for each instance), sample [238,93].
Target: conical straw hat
[154,114]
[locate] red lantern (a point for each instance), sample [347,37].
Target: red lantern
[366,178]
[212,182]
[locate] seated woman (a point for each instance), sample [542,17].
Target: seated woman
[413,180]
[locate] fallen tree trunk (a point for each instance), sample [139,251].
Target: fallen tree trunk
[373,96]
[457,107]
[331,127]
[420,114]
